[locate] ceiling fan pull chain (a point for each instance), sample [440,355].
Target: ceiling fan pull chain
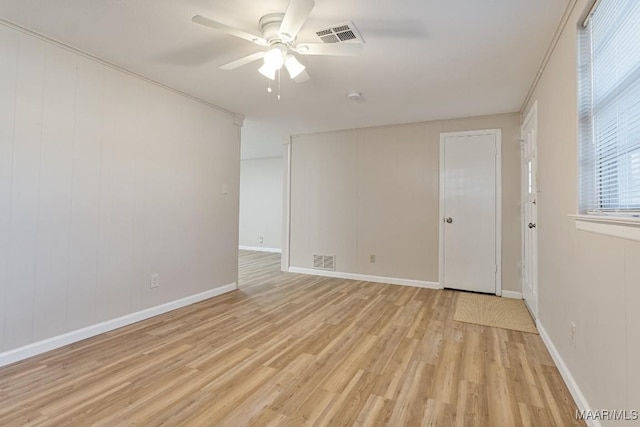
[269,87]
[279,85]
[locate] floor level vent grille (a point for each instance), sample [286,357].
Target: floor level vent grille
[324,262]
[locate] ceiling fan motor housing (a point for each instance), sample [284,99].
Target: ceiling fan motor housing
[270,27]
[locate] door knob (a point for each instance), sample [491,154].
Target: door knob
[532,225]
[449,220]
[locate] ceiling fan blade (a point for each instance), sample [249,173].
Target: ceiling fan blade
[335,49]
[294,18]
[302,77]
[242,61]
[198,19]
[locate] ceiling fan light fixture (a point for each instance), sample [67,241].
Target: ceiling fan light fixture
[268,71]
[293,66]
[274,58]
[279,32]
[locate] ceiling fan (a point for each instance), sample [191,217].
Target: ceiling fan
[279,32]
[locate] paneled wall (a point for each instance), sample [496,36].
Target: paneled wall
[105,179]
[261,202]
[375,191]
[592,280]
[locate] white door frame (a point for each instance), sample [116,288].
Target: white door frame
[286,207]
[531,115]
[498,135]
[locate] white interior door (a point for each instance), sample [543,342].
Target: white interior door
[530,213]
[470,207]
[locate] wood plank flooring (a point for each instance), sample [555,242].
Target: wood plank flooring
[294,350]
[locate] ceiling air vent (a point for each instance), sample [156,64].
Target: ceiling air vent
[340,33]
[324,262]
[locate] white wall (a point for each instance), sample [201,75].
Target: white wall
[590,279]
[105,179]
[261,202]
[375,191]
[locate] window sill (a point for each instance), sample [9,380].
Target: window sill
[621,227]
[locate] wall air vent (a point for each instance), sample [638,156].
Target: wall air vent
[340,33]
[324,262]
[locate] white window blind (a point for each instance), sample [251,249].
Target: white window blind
[610,109]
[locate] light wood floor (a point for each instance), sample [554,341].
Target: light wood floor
[289,349]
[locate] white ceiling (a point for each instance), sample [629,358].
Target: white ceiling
[423,60]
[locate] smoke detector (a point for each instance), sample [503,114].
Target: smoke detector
[354,95]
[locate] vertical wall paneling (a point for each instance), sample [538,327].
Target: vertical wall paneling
[8,81]
[585,278]
[374,191]
[632,296]
[379,202]
[412,167]
[145,142]
[85,207]
[117,195]
[157,119]
[105,179]
[261,202]
[225,171]
[54,193]
[324,198]
[23,232]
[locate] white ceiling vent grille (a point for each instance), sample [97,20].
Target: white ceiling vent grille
[340,33]
[324,262]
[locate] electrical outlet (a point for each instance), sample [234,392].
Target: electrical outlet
[573,334]
[260,239]
[155,280]
[372,258]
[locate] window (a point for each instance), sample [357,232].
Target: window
[609,78]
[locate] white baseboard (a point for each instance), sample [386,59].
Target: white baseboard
[575,391]
[511,294]
[260,249]
[52,343]
[364,277]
